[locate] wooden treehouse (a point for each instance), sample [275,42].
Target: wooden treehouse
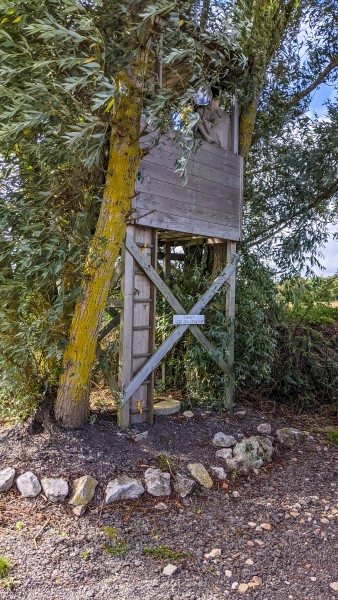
[169,212]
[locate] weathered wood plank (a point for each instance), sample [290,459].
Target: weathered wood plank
[126,331]
[177,223]
[226,201]
[173,338]
[204,161]
[230,314]
[205,179]
[187,209]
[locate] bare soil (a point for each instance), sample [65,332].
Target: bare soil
[60,556]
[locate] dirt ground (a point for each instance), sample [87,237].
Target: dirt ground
[62,557]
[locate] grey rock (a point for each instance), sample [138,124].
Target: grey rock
[188,414]
[161,506]
[225,453]
[139,437]
[223,441]
[199,472]
[56,490]
[289,437]
[157,482]
[79,510]
[264,428]
[250,453]
[83,490]
[219,472]
[169,570]
[28,485]
[184,485]
[6,479]
[123,488]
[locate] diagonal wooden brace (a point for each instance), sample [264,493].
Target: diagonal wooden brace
[173,338]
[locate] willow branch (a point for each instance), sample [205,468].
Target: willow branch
[320,79]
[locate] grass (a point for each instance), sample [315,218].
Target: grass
[332,436]
[165,553]
[164,463]
[119,549]
[110,531]
[5,566]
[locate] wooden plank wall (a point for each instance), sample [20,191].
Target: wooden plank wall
[207,202]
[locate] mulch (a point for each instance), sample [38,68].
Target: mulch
[59,556]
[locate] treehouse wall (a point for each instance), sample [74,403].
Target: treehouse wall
[208,202]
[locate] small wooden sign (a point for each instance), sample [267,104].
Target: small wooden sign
[188,319]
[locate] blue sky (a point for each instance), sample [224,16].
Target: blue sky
[330,251]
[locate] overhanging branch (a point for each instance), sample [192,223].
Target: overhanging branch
[310,88]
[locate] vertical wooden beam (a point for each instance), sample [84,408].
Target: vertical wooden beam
[141,402]
[230,314]
[126,330]
[166,278]
[235,128]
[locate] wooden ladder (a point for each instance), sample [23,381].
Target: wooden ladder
[137,332]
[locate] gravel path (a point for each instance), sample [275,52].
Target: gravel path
[58,556]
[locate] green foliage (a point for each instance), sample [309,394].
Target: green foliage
[60,78]
[164,463]
[165,553]
[119,549]
[110,531]
[332,436]
[5,566]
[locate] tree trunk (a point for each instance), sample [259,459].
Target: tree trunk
[72,401]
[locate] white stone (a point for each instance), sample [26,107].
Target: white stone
[6,479]
[228,573]
[28,485]
[183,485]
[167,407]
[223,441]
[56,490]
[169,570]
[214,553]
[161,506]
[236,494]
[249,562]
[139,437]
[157,482]
[264,428]
[188,414]
[83,490]
[123,488]
[225,453]
[199,472]
[79,510]
[219,472]
[334,586]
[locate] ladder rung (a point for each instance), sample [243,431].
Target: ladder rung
[145,355]
[144,300]
[137,412]
[142,328]
[144,245]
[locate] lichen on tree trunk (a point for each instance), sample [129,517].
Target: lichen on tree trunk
[72,401]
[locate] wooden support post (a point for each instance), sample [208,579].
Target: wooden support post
[230,314]
[166,278]
[126,329]
[138,327]
[235,128]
